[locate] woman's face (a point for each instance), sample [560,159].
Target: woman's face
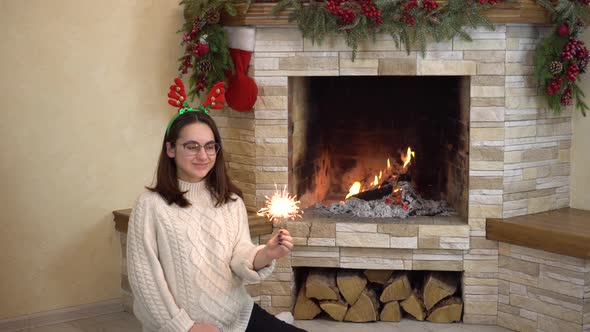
[195,152]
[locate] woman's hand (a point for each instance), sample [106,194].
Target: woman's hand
[204,327]
[279,245]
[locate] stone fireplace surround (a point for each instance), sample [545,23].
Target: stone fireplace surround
[518,164]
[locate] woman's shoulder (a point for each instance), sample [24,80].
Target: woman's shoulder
[149,206]
[150,199]
[149,196]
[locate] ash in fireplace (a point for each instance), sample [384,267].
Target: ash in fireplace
[401,202]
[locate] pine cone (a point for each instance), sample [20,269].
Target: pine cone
[434,20]
[212,17]
[555,67]
[199,24]
[205,66]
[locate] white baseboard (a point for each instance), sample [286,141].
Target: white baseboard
[61,315]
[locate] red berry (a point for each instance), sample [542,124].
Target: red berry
[563,30]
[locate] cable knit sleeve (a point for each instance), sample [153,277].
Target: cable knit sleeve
[146,276]
[244,251]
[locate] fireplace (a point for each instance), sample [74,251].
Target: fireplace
[347,130]
[518,155]
[519,163]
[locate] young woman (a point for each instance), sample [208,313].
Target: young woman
[188,244]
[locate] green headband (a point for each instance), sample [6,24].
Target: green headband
[185,108]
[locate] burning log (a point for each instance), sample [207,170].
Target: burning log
[389,195]
[351,285]
[390,180]
[404,178]
[396,190]
[375,193]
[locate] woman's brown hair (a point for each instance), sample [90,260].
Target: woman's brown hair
[217,181]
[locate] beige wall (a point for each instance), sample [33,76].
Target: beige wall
[82,109]
[581,148]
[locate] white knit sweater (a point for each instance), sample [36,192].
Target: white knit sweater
[187,265]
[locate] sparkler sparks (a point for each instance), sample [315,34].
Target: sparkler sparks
[280,206]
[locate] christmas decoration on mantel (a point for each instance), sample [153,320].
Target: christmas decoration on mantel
[409,22]
[242,91]
[562,57]
[206,45]
[213,53]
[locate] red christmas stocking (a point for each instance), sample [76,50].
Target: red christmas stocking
[242,91]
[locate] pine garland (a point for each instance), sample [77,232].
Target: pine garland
[561,57]
[409,22]
[206,44]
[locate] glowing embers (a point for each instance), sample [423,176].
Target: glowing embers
[390,194]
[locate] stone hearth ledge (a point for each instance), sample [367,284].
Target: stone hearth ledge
[413,233]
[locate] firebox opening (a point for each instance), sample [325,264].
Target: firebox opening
[361,129]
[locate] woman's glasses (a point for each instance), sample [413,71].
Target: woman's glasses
[194,148]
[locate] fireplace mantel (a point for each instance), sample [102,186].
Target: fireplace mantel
[521,11]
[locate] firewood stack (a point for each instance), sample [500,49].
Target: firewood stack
[372,295]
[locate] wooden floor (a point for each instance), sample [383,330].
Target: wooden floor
[125,322]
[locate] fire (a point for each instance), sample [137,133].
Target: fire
[354,189]
[280,206]
[385,176]
[407,157]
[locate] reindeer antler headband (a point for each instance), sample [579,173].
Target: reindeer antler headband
[177,96]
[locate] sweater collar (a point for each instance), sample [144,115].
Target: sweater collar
[194,190]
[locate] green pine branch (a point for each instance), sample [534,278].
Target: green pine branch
[217,39]
[578,95]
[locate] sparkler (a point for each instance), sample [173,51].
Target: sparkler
[280,206]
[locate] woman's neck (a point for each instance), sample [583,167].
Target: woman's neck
[195,191]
